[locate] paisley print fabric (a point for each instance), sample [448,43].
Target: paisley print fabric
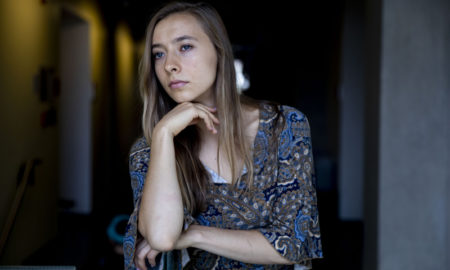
[281,203]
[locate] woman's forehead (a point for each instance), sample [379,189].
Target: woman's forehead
[176,25]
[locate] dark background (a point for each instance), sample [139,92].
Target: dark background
[290,51]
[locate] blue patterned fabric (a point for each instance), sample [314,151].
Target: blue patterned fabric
[281,204]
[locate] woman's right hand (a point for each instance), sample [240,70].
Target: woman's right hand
[144,251]
[186,114]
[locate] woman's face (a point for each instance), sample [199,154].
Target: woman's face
[185,59]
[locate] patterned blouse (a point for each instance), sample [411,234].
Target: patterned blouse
[282,204]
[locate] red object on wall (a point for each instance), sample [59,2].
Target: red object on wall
[48,118]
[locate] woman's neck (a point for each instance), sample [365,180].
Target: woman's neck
[207,136]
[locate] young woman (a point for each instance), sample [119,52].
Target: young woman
[219,181]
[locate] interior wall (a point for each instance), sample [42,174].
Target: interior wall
[127,92]
[351,99]
[29,33]
[373,15]
[407,126]
[128,110]
[414,118]
[102,87]
[74,115]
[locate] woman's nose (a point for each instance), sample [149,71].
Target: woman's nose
[172,64]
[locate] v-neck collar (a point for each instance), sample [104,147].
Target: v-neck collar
[215,177]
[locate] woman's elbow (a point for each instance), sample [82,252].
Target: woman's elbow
[161,243]
[157,240]
[282,260]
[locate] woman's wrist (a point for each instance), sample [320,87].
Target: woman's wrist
[195,235]
[189,238]
[161,132]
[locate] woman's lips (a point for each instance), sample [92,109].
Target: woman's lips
[177,84]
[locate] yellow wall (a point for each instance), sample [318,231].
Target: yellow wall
[88,11]
[126,82]
[29,40]
[28,31]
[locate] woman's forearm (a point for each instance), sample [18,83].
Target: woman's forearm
[161,212]
[248,246]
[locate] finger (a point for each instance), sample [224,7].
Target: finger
[136,254]
[208,118]
[214,118]
[209,108]
[209,111]
[151,256]
[208,121]
[141,244]
[140,257]
[142,248]
[201,114]
[187,113]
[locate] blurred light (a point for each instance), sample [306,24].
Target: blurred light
[243,83]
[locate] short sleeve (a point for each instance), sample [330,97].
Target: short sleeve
[138,162]
[294,223]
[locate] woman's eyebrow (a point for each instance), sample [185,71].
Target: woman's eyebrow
[182,38]
[176,40]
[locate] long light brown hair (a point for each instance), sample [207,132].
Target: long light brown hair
[192,176]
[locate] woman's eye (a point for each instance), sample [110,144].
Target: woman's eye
[158,55]
[186,47]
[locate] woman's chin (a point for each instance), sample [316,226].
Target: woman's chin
[183,100]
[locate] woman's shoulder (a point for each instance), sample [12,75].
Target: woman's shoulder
[296,121]
[271,110]
[291,113]
[139,155]
[139,145]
